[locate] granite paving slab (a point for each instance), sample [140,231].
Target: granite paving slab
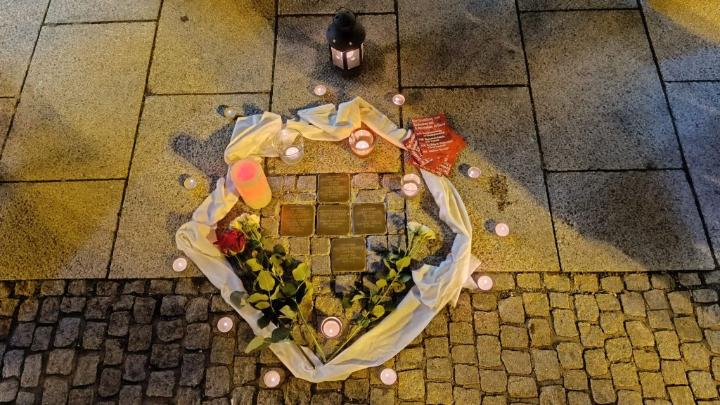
[598,98]
[57,229]
[574,4]
[179,136]
[317,7]
[21,21]
[696,108]
[498,127]
[7,107]
[460,42]
[632,221]
[686,38]
[64,130]
[302,60]
[226,46]
[66,11]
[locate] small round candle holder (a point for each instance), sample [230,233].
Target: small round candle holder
[179,264]
[362,142]
[331,327]
[225,324]
[272,378]
[388,376]
[288,144]
[410,185]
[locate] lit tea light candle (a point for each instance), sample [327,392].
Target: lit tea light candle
[473,172]
[410,185]
[331,327]
[362,142]
[502,229]
[289,145]
[485,283]
[320,90]
[230,113]
[272,378]
[179,264]
[388,376]
[225,324]
[398,99]
[189,183]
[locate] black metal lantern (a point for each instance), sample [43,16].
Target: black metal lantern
[345,36]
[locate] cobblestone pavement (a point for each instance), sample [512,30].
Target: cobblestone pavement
[549,339]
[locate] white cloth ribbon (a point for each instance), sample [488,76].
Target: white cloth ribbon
[435,286]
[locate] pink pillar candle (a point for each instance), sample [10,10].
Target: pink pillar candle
[251,183]
[331,327]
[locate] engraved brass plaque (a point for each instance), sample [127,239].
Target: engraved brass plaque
[297,220]
[333,219]
[369,219]
[348,255]
[333,188]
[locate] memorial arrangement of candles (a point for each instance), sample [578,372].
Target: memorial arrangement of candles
[388,376]
[288,144]
[410,185]
[272,378]
[225,324]
[179,264]
[398,99]
[484,283]
[251,183]
[331,327]
[502,229]
[473,172]
[320,90]
[362,142]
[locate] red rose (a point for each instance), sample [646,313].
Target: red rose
[231,242]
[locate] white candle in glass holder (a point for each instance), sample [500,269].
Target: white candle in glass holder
[179,264]
[502,229]
[410,185]
[388,376]
[225,324]
[331,327]
[362,142]
[272,378]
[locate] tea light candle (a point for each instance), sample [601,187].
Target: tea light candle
[398,99]
[388,376]
[272,378]
[189,183]
[410,185]
[319,90]
[179,264]
[362,142]
[225,324]
[229,113]
[483,282]
[331,327]
[502,229]
[473,172]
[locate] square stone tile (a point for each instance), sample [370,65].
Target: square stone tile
[498,127]
[57,229]
[696,107]
[597,94]
[297,220]
[78,112]
[632,221]
[7,107]
[574,4]
[460,42]
[348,255]
[302,60]
[226,46]
[182,135]
[67,11]
[333,219]
[21,21]
[325,6]
[686,38]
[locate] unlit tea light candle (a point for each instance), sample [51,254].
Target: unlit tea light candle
[320,90]
[331,327]
[189,183]
[272,378]
[398,99]
[502,229]
[388,376]
[473,172]
[225,324]
[179,264]
[485,283]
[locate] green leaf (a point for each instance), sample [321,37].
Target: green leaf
[279,250]
[402,263]
[381,283]
[262,305]
[358,296]
[256,297]
[236,298]
[405,277]
[276,263]
[289,289]
[266,280]
[258,342]
[301,272]
[263,321]
[280,334]
[345,301]
[392,273]
[254,264]
[378,311]
[287,311]
[388,263]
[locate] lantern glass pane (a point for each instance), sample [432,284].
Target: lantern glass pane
[337,58]
[353,58]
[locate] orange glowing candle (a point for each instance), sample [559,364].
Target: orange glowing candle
[251,183]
